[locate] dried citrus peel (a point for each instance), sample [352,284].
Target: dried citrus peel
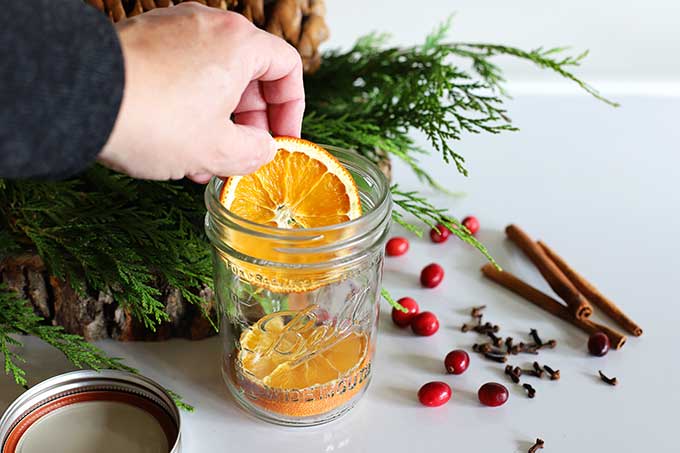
[303,187]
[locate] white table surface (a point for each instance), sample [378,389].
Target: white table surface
[600,186]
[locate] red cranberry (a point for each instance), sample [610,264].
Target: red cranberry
[434,394]
[396,246]
[598,344]
[439,234]
[425,324]
[492,394]
[404,319]
[431,275]
[471,223]
[456,362]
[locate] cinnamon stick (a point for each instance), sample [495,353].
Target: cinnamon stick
[592,294]
[552,274]
[547,303]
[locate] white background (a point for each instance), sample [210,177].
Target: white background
[630,41]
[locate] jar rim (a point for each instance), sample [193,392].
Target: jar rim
[383,204]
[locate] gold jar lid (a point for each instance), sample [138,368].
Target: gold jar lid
[87,411]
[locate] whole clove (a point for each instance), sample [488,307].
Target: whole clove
[516,349]
[476,314]
[467,327]
[537,366]
[482,348]
[532,349]
[536,371]
[508,344]
[531,392]
[517,373]
[552,344]
[496,341]
[534,335]
[554,374]
[486,327]
[477,311]
[536,446]
[500,358]
[608,380]
[524,348]
[510,371]
[548,344]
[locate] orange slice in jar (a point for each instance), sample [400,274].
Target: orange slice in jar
[303,187]
[300,368]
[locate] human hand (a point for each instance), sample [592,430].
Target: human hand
[188,68]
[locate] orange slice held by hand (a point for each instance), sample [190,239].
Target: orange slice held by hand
[303,187]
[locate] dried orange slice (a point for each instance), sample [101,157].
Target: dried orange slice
[289,351]
[303,187]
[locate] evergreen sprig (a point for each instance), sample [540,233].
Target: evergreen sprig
[416,205]
[390,300]
[18,318]
[551,59]
[372,97]
[107,232]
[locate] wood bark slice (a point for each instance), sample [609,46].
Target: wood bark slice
[95,315]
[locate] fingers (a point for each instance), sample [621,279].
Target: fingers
[278,68]
[241,150]
[255,118]
[281,118]
[251,99]
[286,118]
[252,108]
[200,178]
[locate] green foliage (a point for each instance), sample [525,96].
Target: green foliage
[371,97]
[390,300]
[550,59]
[16,317]
[179,402]
[105,231]
[416,205]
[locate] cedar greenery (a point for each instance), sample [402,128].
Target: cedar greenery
[108,232]
[18,318]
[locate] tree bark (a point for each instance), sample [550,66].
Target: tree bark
[96,315]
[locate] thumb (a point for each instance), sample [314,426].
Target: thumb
[243,149]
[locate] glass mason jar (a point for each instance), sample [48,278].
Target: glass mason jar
[299,307]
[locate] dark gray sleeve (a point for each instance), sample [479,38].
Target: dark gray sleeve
[61,85]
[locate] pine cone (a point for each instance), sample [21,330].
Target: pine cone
[300,22]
